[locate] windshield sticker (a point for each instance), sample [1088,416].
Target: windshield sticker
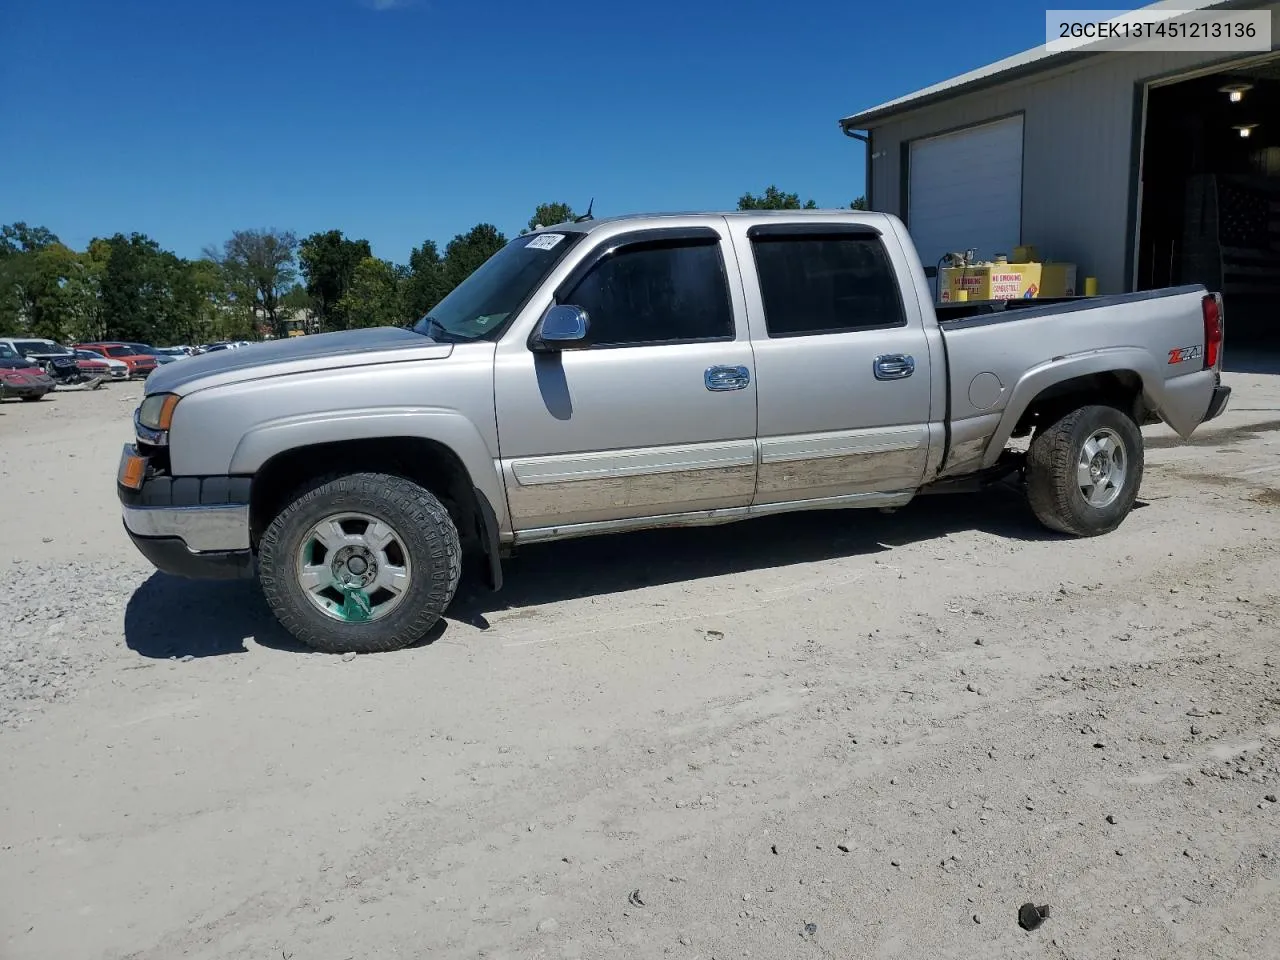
[544,241]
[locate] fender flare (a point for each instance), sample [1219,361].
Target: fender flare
[437,424]
[1134,360]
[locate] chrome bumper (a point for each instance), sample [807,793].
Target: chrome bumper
[204,529]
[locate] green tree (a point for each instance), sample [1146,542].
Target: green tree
[372,298]
[260,264]
[328,262]
[469,250]
[34,270]
[133,289]
[297,298]
[859,203]
[195,287]
[549,214]
[774,199]
[20,238]
[424,284]
[84,290]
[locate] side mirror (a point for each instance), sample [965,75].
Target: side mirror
[565,327]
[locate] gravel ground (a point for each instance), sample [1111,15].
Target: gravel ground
[829,735]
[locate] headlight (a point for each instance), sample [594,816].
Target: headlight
[156,412]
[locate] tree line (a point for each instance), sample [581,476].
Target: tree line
[261,282]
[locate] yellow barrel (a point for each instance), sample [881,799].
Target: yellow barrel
[1090,286]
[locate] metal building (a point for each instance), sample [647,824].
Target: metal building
[1145,169]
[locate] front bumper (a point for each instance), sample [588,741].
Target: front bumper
[1218,404]
[194,527]
[30,388]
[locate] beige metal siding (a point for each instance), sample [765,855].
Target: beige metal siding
[1077,154]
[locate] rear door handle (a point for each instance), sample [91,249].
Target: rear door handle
[894,366]
[720,379]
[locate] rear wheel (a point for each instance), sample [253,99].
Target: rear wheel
[1084,471]
[364,563]
[32,398]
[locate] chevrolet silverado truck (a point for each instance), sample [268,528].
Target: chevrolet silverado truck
[652,371]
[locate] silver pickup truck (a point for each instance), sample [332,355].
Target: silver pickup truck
[648,371]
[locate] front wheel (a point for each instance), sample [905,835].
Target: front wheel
[1083,472]
[363,563]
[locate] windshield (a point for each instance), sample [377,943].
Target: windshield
[46,347]
[6,353]
[119,351]
[479,307]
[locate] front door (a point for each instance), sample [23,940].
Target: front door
[657,415]
[842,362]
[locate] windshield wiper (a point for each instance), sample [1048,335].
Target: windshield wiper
[441,334]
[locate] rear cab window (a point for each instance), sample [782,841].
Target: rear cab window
[823,279]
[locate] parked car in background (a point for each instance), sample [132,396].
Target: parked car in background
[92,365]
[172,353]
[116,369]
[58,362]
[139,364]
[146,350]
[20,377]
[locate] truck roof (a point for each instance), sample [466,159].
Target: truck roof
[642,220]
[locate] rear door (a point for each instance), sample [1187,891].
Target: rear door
[658,415]
[842,362]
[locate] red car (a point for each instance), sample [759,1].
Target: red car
[139,364]
[21,378]
[94,368]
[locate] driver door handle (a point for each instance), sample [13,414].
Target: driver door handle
[721,378]
[894,366]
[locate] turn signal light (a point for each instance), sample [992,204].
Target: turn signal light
[133,471]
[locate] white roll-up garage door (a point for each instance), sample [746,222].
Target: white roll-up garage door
[964,190]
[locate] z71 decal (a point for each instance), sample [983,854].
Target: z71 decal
[1181,354]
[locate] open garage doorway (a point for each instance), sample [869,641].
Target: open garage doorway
[1210,208]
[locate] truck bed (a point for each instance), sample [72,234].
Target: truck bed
[983,312]
[999,353]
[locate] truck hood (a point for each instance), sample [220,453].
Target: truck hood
[278,358]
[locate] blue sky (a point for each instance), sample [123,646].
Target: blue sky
[405,120]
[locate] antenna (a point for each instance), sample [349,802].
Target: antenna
[587,215]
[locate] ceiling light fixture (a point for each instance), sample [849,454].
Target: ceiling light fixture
[1235,91]
[1244,128]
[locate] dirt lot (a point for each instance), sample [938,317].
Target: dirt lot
[895,729]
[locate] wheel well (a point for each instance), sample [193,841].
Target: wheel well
[1121,389]
[430,464]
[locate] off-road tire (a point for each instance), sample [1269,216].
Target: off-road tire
[1052,487]
[30,399]
[426,530]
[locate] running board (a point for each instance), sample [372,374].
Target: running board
[698,518]
[1011,462]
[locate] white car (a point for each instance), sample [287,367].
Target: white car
[119,369]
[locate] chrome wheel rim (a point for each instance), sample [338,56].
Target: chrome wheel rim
[354,568]
[1101,468]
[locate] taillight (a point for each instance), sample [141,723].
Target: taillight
[1211,307]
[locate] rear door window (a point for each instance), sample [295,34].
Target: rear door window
[820,283]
